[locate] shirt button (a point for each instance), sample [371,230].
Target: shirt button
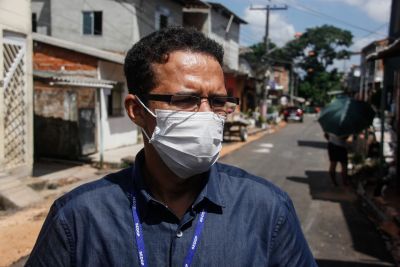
[179,234]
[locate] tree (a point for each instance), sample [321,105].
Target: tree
[314,53]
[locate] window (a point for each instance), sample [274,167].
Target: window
[115,107]
[162,18]
[92,22]
[34,22]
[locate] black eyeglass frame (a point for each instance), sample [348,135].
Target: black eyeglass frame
[168,98]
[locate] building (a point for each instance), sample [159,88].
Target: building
[391,82]
[88,30]
[16,111]
[352,80]
[279,83]
[222,25]
[371,79]
[104,24]
[79,96]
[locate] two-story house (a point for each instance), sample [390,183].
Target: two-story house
[113,26]
[219,23]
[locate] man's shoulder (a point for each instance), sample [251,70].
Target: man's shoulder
[109,188]
[251,185]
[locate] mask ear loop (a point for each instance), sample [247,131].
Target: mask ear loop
[151,112]
[143,105]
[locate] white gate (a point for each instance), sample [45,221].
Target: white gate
[15,104]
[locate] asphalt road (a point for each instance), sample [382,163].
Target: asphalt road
[296,160]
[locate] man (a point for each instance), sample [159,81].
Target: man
[337,152]
[176,206]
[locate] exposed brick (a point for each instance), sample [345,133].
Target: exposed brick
[51,58]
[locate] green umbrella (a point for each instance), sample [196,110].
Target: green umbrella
[346,116]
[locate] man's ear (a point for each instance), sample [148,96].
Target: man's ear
[134,110]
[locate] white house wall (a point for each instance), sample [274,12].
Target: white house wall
[42,9]
[229,40]
[117,131]
[15,19]
[123,22]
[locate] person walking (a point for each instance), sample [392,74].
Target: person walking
[337,152]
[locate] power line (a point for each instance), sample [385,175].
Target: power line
[314,12]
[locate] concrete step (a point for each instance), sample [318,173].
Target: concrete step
[15,194]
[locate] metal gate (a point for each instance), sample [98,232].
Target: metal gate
[87,126]
[15,104]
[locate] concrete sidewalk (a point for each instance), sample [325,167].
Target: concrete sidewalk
[120,157]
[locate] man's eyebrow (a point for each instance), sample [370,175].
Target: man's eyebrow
[188,92]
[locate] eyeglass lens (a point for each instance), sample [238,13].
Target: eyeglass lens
[219,104]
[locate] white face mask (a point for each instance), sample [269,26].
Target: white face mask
[188,142]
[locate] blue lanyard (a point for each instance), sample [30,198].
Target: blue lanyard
[140,240]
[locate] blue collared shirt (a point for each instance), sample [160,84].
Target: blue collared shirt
[249,222]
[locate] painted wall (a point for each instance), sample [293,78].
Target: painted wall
[42,9]
[214,25]
[118,131]
[124,22]
[230,40]
[15,19]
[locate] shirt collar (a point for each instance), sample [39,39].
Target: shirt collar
[211,190]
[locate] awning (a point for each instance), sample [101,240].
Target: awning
[299,99]
[74,80]
[392,50]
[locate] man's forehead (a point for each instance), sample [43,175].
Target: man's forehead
[187,59]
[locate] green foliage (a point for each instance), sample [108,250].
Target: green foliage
[315,52]
[317,89]
[257,57]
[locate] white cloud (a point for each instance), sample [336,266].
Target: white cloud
[280,30]
[378,10]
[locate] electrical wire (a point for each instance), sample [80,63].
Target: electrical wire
[306,9]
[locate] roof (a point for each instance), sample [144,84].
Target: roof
[225,11]
[84,49]
[193,3]
[217,7]
[63,78]
[392,50]
[375,45]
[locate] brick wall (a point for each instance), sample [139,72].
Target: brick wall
[48,101]
[51,58]
[281,75]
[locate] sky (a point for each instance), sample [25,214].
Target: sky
[367,20]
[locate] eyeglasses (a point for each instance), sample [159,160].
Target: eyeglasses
[221,105]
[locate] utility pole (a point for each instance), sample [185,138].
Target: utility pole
[268,8]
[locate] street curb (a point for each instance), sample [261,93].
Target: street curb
[378,218]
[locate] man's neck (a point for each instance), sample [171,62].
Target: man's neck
[165,186]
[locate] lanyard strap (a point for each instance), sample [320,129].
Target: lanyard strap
[140,240]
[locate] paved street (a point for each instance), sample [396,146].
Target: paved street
[296,160]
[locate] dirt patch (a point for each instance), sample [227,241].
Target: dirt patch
[19,232]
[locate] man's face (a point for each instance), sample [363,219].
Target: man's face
[186,73]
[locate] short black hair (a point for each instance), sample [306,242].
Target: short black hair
[155,47]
